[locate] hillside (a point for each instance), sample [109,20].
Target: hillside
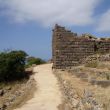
[86,87]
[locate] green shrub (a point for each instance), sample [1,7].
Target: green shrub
[92,64]
[12,65]
[33,60]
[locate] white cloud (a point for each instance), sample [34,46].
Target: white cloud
[48,12]
[104,22]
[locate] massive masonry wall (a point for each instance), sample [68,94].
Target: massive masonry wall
[69,50]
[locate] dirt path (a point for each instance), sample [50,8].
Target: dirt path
[47,96]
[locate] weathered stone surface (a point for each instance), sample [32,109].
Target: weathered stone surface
[70,50]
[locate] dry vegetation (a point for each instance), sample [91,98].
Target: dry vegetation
[15,94]
[93,78]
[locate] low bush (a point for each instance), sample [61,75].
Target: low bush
[12,65]
[92,64]
[33,60]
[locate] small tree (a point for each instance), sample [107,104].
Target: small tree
[12,65]
[33,60]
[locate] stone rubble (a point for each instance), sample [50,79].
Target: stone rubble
[74,101]
[12,97]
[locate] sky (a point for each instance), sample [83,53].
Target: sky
[27,24]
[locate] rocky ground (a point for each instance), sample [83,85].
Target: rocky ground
[79,91]
[64,90]
[24,96]
[86,87]
[48,95]
[15,94]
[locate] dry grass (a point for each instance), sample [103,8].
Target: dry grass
[93,64]
[16,86]
[101,94]
[101,72]
[23,99]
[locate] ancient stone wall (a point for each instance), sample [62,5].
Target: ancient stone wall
[69,49]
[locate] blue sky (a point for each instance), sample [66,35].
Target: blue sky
[27,24]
